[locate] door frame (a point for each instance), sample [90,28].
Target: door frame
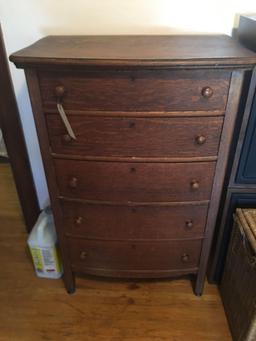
[15,143]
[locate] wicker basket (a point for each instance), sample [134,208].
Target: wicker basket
[238,286]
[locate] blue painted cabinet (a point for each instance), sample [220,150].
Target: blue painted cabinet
[240,189]
[246,173]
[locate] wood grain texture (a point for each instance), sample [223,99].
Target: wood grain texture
[105,113]
[134,222]
[135,50]
[182,81]
[10,206]
[228,129]
[37,309]
[138,90]
[41,128]
[142,137]
[134,182]
[134,259]
[134,158]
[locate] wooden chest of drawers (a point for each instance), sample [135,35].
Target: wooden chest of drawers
[135,133]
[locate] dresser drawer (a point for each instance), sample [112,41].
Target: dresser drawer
[114,181]
[102,221]
[133,257]
[138,90]
[141,137]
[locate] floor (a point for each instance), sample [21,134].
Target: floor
[38,309]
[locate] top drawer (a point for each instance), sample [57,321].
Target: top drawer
[146,90]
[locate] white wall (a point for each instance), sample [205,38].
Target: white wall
[25,21]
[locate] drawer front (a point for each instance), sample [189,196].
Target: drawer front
[159,90]
[101,221]
[124,181]
[135,256]
[142,137]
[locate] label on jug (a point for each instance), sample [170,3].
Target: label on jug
[45,260]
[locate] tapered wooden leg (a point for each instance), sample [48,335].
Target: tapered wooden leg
[69,281]
[199,285]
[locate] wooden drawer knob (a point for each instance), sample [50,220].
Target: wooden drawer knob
[207,92]
[194,185]
[132,169]
[131,124]
[200,139]
[66,138]
[60,91]
[189,224]
[185,258]
[73,182]
[79,220]
[83,255]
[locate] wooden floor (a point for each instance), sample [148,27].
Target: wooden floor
[34,309]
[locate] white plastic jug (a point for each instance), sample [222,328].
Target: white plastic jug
[42,244]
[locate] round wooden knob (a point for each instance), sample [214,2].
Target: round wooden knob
[185,258]
[194,185]
[132,169]
[79,220]
[207,92]
[83,255]
[131,124]
[189,224]
[200,139]
[73,182]
[66,138]
[60,91]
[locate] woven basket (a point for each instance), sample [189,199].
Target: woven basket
[238,285]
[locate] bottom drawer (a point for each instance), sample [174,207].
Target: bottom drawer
[136,259]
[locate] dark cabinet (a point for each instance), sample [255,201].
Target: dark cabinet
[240,189]
[246,173]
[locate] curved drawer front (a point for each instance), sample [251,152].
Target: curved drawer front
[111,256]
[148,90]
[102,221]
[142,137]
[121,181]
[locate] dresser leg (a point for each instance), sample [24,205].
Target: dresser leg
[198,285]
[69,281]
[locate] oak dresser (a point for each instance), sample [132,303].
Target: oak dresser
[135,133]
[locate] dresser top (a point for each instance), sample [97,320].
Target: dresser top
[172,50]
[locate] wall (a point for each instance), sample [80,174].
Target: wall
[25,21]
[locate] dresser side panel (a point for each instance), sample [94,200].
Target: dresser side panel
[225,142]
[35,97]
